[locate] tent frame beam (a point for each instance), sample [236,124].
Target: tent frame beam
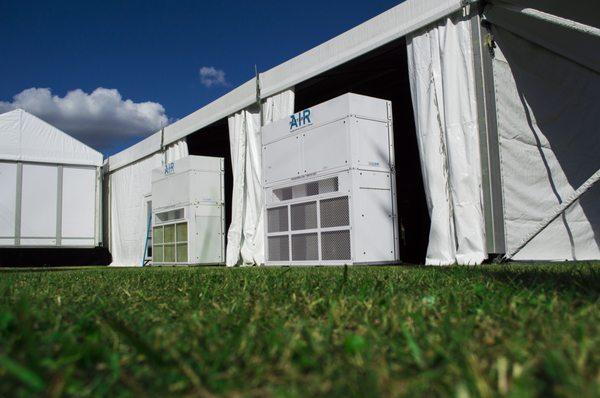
[19,198]
[560,209]
[491,176]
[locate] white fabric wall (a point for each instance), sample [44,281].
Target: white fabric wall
[128,186]
[548,110]
[563,27]
[246,237]
[443,93]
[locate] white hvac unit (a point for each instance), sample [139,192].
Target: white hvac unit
[328,175]
[188,214]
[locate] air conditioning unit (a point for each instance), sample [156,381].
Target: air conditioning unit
[188,214]
[328,176]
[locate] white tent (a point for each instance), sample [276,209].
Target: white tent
[50,182]
[505,102]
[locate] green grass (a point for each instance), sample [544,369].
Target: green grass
[515,330]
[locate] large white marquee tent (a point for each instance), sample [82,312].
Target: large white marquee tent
[496,104]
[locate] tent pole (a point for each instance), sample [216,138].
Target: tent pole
[258,96]
[560,209]
[488,136]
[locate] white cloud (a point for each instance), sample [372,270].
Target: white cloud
[211,76]
[102,119]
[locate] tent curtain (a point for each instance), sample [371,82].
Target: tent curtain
[176,151]
[241,240]
[548,112]
[245,238]
[128,188]
[443,94]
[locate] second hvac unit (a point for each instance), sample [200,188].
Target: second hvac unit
[330,186]
[188,215]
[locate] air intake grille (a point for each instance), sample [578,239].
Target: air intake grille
[277,219]
[335,245]
[335,212]
[329,185]
[314,188]
[279,248]
[313,231]
[305,247]
[304,216]
[170,215]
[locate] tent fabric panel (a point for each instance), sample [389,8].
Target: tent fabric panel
[382,29]
[10,135]
[39,201]
[29,139]
[585,12]
[8,198]
[565,37]
[441,73]
[128,188]
[253,248]
[238,124]
[246,235]
[78,202]
[548,112]
[278,106]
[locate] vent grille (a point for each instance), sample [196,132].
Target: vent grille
[335,212]
[314,188]
[305,247]
[279,248]
[329,185]
[335,245]
[171,215]
[315,230]
[304,216]
[277,219]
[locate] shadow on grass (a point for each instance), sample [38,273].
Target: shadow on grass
[575,277]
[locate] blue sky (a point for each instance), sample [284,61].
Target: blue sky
[150,51]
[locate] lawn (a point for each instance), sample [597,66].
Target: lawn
[516,330]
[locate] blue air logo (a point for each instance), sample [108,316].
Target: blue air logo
[300,119]
[170,168]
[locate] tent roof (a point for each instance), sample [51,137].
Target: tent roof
[24,137]
[397,22]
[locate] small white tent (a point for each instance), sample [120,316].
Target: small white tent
[50,194]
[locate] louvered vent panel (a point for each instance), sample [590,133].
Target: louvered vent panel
[304,216]
[277,219]
[308,189]
[279,248]
[335,212]
[305,247]
[335,245]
